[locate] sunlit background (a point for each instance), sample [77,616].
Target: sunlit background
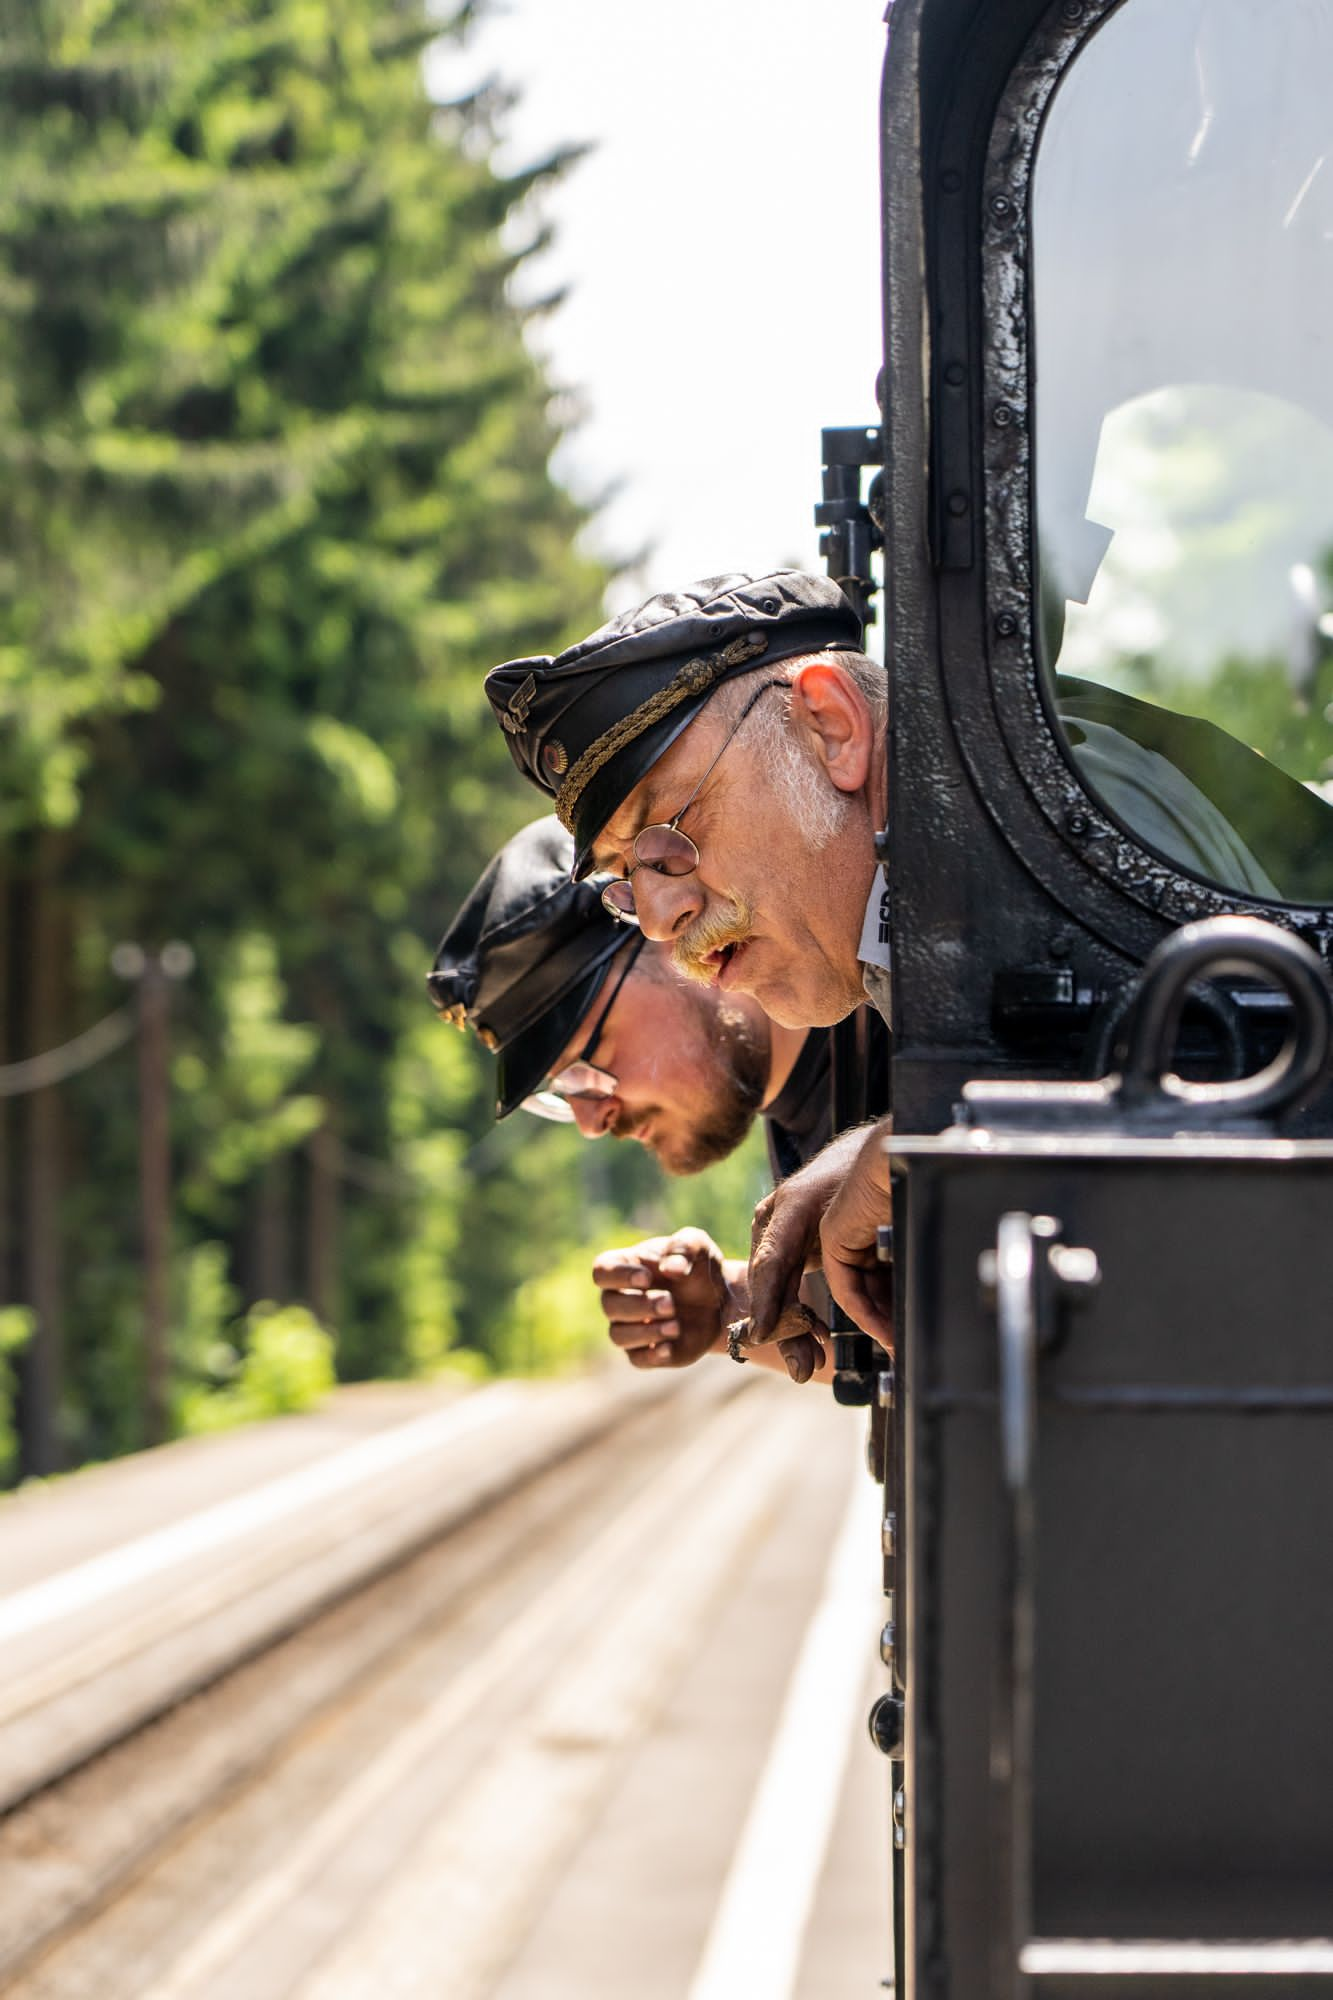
[348,347]
[717,250]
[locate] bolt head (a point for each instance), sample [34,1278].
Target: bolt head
[885,1722]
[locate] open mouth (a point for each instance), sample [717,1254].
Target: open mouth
[722,961]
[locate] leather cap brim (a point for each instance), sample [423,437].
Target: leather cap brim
[607,792]
[528,1060]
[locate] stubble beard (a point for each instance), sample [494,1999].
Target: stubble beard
[738,1058]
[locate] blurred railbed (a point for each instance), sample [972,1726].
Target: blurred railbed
[290,1712]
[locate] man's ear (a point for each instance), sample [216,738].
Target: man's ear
[830,707]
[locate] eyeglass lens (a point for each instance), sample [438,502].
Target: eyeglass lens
[577,1079]
[664,849]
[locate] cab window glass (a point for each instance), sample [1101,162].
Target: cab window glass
[1182,242]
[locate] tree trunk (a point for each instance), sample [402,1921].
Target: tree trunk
[270,1259]
[155,1193]
[43,1360]
[8,1275]
[322,1222]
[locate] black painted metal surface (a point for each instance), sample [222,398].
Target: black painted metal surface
[1159,1775]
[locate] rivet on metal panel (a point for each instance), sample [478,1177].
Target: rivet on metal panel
[957,504]
[1006,624]
[886,1725]
[1076,1271]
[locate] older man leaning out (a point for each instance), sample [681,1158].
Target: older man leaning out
[721,751]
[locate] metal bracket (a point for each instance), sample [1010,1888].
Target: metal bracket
[1027,1277]
[853,528]
[1145,1097]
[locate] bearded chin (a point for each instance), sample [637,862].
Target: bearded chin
[706,1145]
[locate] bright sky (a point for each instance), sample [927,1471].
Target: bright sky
[719,249]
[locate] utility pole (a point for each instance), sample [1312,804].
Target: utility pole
[154,973]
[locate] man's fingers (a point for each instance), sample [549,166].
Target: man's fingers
[628,1266]
[866,1296]
[763,1215]
[658,1354]
[776,1270]
[634,1336]
[639,1305]
[802,1354]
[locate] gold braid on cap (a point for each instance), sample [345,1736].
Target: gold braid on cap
[693,678]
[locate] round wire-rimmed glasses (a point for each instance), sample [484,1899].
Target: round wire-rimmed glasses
[663,848]
[582,1078]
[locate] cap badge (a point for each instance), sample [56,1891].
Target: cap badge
[514,715]
[556,758]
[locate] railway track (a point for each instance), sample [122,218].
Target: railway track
[383,1777]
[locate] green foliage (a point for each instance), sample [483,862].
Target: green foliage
[275,490]
[15,1332]
[286,1366]
[723,1198]
[1253,700]
[553,1321]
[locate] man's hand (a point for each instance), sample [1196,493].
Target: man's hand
[784,1244]
[825,1215]
[853,1273]
[668,1298]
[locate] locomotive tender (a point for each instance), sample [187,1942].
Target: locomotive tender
[1106,501]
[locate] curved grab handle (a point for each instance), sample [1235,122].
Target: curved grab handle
[1224,946]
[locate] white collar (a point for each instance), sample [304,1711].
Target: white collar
[874,946]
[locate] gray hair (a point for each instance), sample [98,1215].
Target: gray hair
[819,808]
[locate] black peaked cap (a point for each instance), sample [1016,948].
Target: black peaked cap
[525,957]
[587,724]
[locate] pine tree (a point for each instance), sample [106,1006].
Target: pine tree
[276,490]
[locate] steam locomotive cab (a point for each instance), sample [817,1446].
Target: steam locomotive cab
[1108,608]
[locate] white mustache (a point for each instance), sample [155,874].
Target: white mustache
[733,923]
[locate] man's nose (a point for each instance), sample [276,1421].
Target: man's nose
[593,1115]
[666,904]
